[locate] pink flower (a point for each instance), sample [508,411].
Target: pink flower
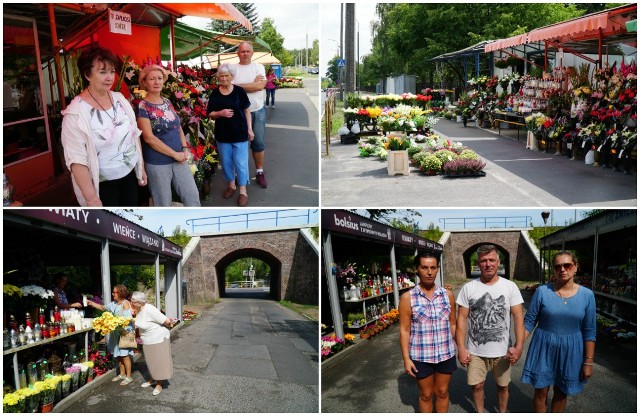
[179,94]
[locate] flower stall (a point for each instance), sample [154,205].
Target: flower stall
[37,334]
[367,266]
[606,245]
[41,78]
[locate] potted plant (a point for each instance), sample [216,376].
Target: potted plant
[12,403]
[463,167]
[430,165]
[31,399]
[47,394]
[66,385]
[74,372]
[398,157]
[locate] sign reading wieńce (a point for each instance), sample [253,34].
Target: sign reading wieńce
[106,225]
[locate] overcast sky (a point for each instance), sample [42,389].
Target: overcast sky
[330,36]
[293,20]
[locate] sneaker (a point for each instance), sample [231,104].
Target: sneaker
[157,390]
[261,180]
[273,106]
[146,384]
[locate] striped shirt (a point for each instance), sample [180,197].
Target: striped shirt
[430,340]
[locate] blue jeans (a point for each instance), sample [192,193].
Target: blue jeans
[272,93]
[259,124]
[234,158]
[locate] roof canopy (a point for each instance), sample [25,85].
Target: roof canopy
[606,24]
[469,51]
[191,42]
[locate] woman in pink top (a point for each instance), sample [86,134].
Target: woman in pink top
[271,88]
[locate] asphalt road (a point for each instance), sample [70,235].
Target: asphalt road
[244,355]
[371,379]
[515,177]
[291,154]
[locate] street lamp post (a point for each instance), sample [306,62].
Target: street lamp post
[358,57]
[339,51]
[545,216]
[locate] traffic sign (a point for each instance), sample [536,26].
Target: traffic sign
[341,63]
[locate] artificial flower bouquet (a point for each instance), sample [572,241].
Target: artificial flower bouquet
[35,296]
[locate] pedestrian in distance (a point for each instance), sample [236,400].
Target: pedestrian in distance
[120,306]
[164,144]
[427,331]
[101,139]
[153,328]
[271,88]
[229,107]
[562,318]
[252,78]
[484,308]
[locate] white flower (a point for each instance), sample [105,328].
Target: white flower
[34,290]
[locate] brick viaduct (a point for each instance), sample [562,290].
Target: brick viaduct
[520,254]
[290,252]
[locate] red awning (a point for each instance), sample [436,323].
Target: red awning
[571,27]
[606,23]
[506,43]
[219,11]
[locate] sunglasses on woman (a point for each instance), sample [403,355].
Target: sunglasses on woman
[561,266]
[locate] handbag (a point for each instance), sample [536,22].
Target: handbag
[127,341]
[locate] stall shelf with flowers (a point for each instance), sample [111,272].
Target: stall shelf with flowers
[331,345]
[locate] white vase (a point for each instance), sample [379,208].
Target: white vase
[398,162]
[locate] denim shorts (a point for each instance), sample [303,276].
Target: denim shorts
[259,125]
[427,369]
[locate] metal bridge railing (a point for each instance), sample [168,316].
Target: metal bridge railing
[485,222]
[234,222]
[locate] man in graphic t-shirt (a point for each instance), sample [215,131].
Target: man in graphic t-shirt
[485,307]
[251,77]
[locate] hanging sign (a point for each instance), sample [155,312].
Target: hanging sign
[119,22]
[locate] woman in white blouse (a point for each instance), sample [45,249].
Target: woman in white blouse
[153,327]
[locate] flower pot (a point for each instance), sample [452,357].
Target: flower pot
[596,158]
[558,148]
[47,408]
[205,190]
[398,162]
[459,119]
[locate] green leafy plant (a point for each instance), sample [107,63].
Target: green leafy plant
[430,164]
[398,143]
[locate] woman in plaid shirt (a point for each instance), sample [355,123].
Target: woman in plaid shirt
[427,328]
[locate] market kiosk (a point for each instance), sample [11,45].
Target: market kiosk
[367,265]
[92,241]
[606,245]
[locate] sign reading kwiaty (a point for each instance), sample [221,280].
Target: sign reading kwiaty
[106,225]
[119,22]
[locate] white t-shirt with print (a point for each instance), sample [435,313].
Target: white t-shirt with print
[489,321]
[246,74]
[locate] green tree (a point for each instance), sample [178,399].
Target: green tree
[332,69]
[408,35]
[270,34]
[592,213]
[179,237]
[235,271]
[314,53]
[249,11]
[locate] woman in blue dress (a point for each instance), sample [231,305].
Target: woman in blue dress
[120,306]
[561,352]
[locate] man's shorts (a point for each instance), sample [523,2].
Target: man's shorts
[479,367]
[427,369]
[259,125]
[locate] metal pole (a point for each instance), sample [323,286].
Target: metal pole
[394,274]
[56,56]
[334,299]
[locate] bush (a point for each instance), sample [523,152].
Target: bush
[413,150]
[468,154]
[445,155]
[430,164]
[418,157]
[463,166]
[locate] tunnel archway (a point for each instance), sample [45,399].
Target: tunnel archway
[503,253]
[274,264]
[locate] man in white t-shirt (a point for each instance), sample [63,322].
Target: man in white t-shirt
[484,309]
[251,77]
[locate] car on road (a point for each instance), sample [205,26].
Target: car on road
[314,70]
[234,286]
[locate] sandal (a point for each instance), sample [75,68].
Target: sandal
[126,381]
[117,378]
[157,390]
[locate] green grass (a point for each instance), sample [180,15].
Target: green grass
[337,120]
[310,311]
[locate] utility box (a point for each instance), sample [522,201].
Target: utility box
[400,84]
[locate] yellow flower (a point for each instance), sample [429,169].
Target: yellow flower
[66,377]
[11,399]
[349,337]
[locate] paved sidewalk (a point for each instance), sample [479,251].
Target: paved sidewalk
[241,356]
[370,378]
[516,177]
